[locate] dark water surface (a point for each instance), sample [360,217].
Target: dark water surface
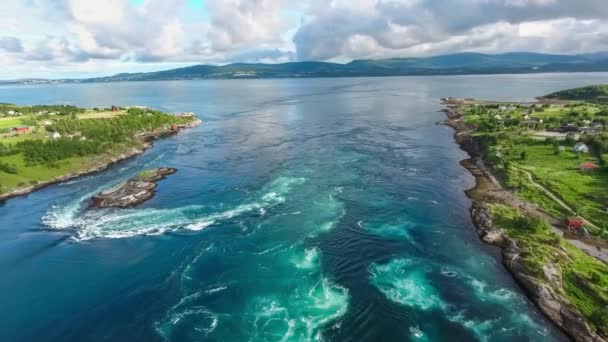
[303,210]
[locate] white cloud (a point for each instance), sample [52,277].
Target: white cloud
[385,28]
[88,35]
[10,44]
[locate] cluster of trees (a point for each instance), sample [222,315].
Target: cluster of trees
[119,128]
[25,110]
[6,150]
[101,135]
[8,168]
[49,152]
[489,120]
[595,92]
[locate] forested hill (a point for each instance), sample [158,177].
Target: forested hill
[589,93]
[453,64]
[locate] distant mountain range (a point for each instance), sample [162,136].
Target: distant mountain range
[453,64]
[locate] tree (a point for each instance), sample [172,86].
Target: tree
[570,139]
[523,155]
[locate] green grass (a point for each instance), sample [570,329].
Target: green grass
[37,159]
[518,180]
[27,175]
[147,174]
[31,174]
[590,93]
[585,279]
[10,122]
[584,192]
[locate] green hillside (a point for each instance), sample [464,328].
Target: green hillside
[589,93]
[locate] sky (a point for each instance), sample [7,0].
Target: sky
[85,38]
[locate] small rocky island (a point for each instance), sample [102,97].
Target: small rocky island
[132,192]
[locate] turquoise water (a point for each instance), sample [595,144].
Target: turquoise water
[303,210]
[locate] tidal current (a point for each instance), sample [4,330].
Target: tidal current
[302,210]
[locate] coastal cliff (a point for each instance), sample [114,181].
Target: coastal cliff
[545,288]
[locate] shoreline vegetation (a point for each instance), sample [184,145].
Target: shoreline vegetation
[534,199]
[44,145]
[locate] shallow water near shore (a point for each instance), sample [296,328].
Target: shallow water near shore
[302,210]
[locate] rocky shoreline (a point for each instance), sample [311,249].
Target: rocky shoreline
[132,192]
[146,143]
[544,293]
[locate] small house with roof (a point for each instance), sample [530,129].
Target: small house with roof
[575,223]
[20,129]
[569,127]
[587,166]
[580,147]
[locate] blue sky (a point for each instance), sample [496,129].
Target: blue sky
[83,38]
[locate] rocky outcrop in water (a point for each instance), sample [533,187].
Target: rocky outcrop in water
[132,192]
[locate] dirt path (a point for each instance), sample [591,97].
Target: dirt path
[489,189]
[556,199]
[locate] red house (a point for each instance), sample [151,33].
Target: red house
[587,166]
[20,129]
[575,223]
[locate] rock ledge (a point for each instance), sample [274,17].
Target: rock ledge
[132,192]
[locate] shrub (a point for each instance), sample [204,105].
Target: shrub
[8,168]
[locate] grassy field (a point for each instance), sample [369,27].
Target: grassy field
[9,122]
[91,114]
[31,174]
[28,175]
[512,143]
[583,191]
[88,138]
[585,279]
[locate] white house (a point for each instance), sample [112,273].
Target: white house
[580,148]
[56,135]
[47,123]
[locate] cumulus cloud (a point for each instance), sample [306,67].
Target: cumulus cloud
[375,28]
[224,31]
[114,29]
[245,23]
[11,44]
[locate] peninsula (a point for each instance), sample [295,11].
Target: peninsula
[541,196]
[46,144]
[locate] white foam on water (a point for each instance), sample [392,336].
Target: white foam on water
[301,315]
[329,213]
[449,272]
[198,321]
[124,223]
[418,334]
[195,320]
[309,260]
[499,296]
[303,312]
[216,289]
[481,329]
[404,281]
